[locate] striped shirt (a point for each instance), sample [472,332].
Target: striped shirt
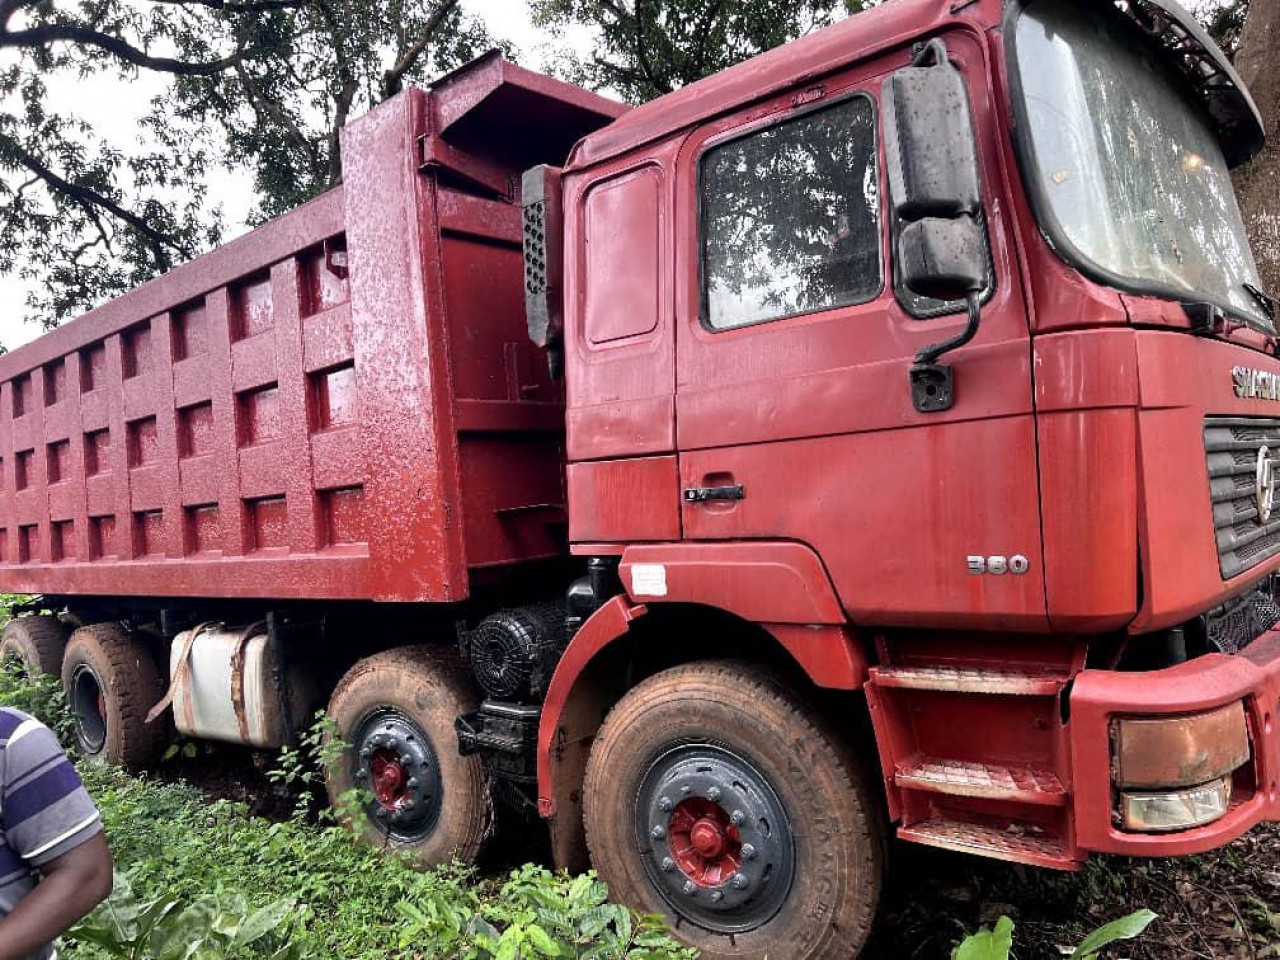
[44,809]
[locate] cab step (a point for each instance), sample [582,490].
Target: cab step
[980,680]
[1018,844]
[992,781]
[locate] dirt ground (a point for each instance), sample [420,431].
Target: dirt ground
[1219,906]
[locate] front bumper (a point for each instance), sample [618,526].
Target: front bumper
[1214,680]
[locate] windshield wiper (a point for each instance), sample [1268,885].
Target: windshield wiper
[1265,300]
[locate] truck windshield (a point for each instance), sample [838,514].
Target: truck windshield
[1126,172]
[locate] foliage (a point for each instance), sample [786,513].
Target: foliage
[214,925]
[301,769]
[320,63]
[263,85]
[1224,19]
[997,944]
[537,914]
[645,48]
[39,696]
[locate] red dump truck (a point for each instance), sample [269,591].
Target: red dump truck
[878,437]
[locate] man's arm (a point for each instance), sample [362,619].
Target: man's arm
[73,884]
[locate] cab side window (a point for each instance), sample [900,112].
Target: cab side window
[791,218]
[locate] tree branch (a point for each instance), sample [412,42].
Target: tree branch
[230,6]
[90,200]
[52,33]
[268,108]
[393,79]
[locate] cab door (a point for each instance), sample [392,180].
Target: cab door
[794,413]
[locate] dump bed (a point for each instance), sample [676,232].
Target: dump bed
[342,404]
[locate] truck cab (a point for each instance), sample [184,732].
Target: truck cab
[932,346]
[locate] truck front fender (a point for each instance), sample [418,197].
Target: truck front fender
[567,727]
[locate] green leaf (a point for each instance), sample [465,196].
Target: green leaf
[987,944]
[264,921]
[542,941]
[1126,928]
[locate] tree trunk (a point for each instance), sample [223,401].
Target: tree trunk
[1258,183]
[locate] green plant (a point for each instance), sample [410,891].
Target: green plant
[214,925]
[41,696]
[301,768]
[997,944]
[535,914]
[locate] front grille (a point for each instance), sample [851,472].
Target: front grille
[1238,622]
[1232,445]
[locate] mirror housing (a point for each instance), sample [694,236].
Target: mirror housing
[929,140]
[944,259]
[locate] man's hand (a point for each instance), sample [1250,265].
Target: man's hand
[73,884]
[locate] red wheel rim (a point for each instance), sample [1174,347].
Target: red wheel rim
[705,844]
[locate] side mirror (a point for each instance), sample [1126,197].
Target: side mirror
[944,259]
[940,240]
[929,140]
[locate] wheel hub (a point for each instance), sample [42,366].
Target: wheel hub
[397,765]
[715,838]
[89,707]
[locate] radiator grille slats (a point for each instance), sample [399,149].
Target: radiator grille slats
[1231,448]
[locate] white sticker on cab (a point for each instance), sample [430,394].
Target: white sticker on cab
[648,580]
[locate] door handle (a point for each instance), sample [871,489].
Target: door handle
[703,494]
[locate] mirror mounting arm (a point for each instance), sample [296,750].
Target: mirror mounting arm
[933,383]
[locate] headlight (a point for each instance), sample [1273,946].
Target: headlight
[1174,773]
[1177,810]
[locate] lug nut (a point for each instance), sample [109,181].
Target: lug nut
[406,759]
[686,789]
[690,888]
[713,793]
[410,803]
[748,852]
[657,833]
[664,804]
[362,774]
[668,864]
[716,896]
[740,881]
[366,753]
[411,783]
[737,817]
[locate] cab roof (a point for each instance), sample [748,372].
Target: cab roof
[819,53]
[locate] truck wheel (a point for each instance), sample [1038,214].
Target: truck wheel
[395,713]
[37,641]
[714,795]
[111,680]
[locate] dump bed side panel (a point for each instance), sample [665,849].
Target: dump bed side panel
[342,404]
[194,437]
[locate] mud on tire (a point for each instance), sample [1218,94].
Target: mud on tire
[111,680]
[38,641]
[395,712]
[716,796]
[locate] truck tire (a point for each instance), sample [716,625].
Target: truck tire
[716,796]
[395,713]
[111,680]
[38,642]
